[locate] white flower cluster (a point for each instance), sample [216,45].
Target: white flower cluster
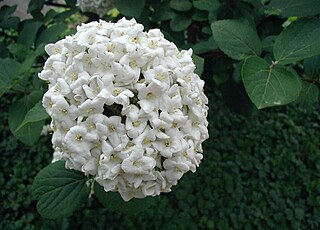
[126,107]
[100,7]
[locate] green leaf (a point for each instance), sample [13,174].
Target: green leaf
[7,11]
[298,41]
[51,34]
[35,114]
[200,16]
[30,133]
[35,5]
[65,14]
[236,39]
[268,86]
[309,95]
[59,191]
[165,13]
[199,62]
[113,201]
[180,22]
[130,8]
[212,16]
[205,46]
[311,67]
[10,23]
[206,30]
[29,32]
[10,73]
[208,5]
[299,8]
[180,5]
[19,50]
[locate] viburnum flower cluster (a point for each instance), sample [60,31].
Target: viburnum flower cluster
[99,7]
[126,107]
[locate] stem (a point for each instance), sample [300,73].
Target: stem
[274,63]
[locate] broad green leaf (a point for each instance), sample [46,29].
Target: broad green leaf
[35,114]
[19,50]
[180,22]
[236,39]
[299,8]
[165,13]
[206,30]
[28,62]
[50,15]
[7,11]
[30,133]
[309,95]
[180,5]
[29,32]
[130,8]
[35,5]
[212,16]
[65,14]
[51,34]
[268,86]
[205,46]
[208,5]
[257,4]
[10,23]
[59,191]
[113,201]
[298,41]
[200,16]
[10,73]
[199,62]
[311,67]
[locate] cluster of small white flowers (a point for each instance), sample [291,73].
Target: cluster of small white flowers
[100,7]
[126,107]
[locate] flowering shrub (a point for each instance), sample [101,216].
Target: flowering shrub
[262,53]
[126,107]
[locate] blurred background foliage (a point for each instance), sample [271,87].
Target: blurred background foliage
[261,168]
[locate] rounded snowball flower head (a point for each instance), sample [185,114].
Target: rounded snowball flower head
[126,107]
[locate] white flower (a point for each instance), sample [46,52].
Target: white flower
[168,146]
[149,96]
[175,168]
[79,141]
[137,163]
[126,107]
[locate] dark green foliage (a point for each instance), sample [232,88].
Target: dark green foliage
[259,172]
[19,165]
